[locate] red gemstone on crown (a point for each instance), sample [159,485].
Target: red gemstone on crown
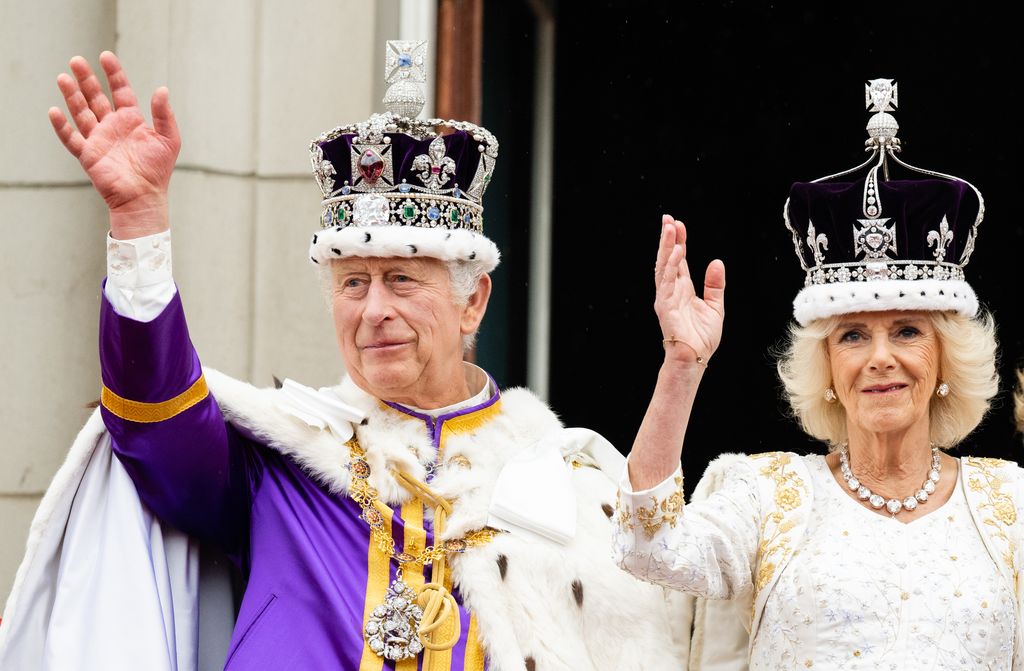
[371,166]
[436,169]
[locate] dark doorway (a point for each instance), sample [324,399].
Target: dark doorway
[709,111]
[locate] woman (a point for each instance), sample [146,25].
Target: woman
[888,552]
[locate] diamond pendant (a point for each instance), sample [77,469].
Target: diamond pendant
[394,626]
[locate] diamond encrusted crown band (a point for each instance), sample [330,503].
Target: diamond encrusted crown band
[429,210]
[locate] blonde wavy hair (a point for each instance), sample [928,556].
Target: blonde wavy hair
[1018,401]
[967,363]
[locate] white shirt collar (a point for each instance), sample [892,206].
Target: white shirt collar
[486,392]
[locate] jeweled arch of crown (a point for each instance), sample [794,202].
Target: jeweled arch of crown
[375,197]
[874,237]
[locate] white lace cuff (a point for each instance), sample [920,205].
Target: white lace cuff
[139,282]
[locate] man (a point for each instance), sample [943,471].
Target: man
[413,517]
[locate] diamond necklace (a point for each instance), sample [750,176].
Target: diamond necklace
[876,501]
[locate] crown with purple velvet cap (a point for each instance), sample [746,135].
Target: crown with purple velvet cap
[395,185]
[870,243]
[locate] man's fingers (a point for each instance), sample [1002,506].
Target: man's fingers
[163,116]
[714,286]
[120,89]
[67,134]
[77,105]
[90,87]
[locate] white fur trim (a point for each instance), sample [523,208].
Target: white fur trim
[563,606]
[819,301]
[404,241]
[529,608]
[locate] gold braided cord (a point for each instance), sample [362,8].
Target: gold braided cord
[149,413]
[439,605]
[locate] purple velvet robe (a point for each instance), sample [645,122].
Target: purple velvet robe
[306,554]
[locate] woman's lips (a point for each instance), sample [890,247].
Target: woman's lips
[885,388]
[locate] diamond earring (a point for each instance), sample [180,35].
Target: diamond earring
[830,395]
[942,391]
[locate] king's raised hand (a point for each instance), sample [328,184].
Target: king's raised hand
[691,325]
[129,162]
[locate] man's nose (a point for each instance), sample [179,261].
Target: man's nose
[379,302]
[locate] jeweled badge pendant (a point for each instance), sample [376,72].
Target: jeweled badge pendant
[394,626]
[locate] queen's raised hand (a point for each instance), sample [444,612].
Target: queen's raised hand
[690,325]
[129,162]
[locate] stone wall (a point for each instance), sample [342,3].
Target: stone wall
[251,84]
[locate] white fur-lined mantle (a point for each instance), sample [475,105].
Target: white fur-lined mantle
[393,441]
[538,604]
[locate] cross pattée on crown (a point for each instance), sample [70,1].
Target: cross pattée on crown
[881,95]
[405,71]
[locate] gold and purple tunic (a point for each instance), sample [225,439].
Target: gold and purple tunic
[313,574]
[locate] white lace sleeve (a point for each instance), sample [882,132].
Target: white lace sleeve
[139,283]
[708,549]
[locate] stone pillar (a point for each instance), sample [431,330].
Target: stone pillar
[51,261]
[251,84]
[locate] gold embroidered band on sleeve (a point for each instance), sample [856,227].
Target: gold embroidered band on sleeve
[149,413]
[661,513]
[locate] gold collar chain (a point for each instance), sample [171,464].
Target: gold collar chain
[401,627]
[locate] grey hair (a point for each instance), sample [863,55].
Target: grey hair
[463,278]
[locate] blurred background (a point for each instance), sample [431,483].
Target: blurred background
[609,114]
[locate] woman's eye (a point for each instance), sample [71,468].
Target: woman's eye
[908,332]
[850,336]
[400,278]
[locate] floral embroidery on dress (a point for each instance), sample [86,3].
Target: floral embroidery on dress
[866,593]
[775,545]
[623,516]
[661,513]
[999,503]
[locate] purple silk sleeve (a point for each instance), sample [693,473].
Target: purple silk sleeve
[192,470]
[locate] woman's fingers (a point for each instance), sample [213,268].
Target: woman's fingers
[90,87]
[714,286]
[120,89]
[671,272]
[680,229]
[665,244]
[69,137]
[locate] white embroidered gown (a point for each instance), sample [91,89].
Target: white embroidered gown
[861,591]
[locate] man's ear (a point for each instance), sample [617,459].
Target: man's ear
[476,306]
